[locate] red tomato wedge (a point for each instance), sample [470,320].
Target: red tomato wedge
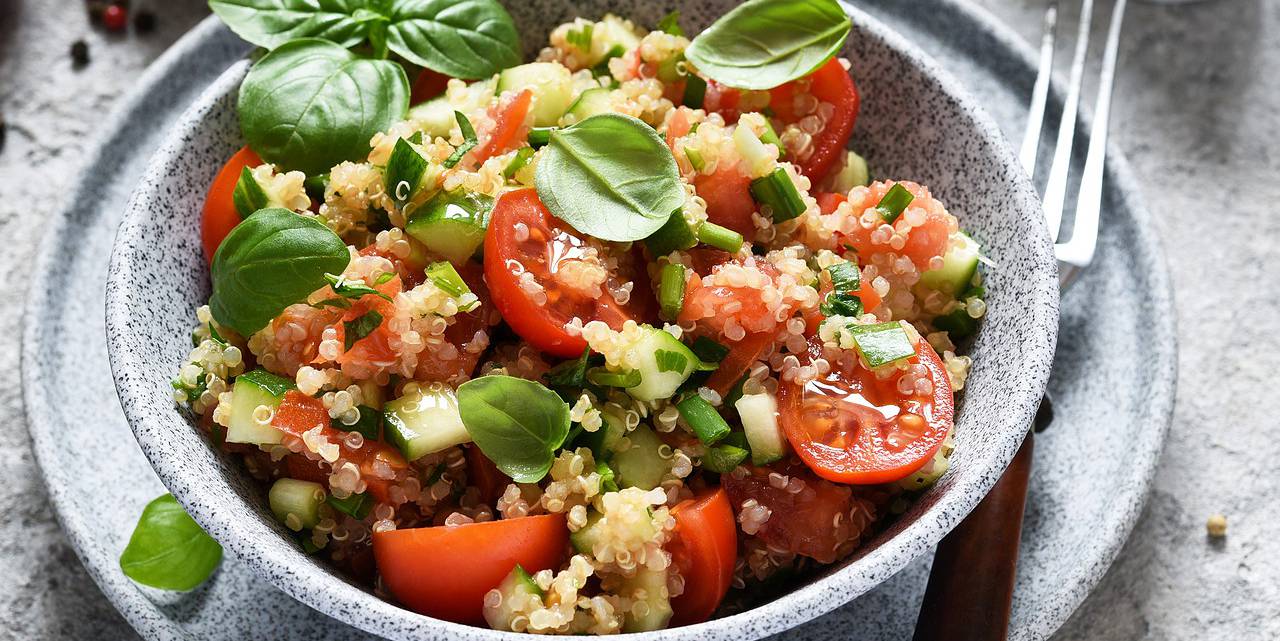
[509,128]
[739,359]
[540,316]
[832,84]
[445,571]
[298,413]
[728,195]
[704,550]
[851,427]
[220,215]
[427,85]
[803,522]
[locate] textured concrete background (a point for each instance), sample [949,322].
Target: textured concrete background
[1198,111]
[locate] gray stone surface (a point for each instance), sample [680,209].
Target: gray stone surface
[1198,98]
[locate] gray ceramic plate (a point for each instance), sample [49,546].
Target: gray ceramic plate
[1065,554]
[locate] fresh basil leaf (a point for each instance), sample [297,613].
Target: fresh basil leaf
[405,169]
[358,329]
[469,140]
[311,104]
[354,291]
[271,23]
[519,424]
[273,259]
[571,374]
[882,343]
[708,350]
[764,43]
[465,39]
[610,176]
[841,304]
[248,196]
[168,550]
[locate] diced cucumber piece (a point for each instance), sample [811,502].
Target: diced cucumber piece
[602,441]
[251,390]
[649,587]
[853,173]
[958,266]
[435,117]
[300,499]
[664,364]
[640,465]
[551,84]
[759,413]
[452,224]
[424,420]
[758,158]
[516,583]
[930,472]
[589,103]
[609,33]
[585,539]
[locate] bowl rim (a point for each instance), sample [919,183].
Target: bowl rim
[366,611]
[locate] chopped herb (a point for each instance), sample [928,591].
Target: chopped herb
[581,38]
[608,480]
[845,277]
[523,156]
[340,303]
[354,290]
[369,424]
[670,360]
[695,91]
[957,323]
[357,506]
[361,327]
[770,137]
[469,140]
[722,459]
[841,304]
[443,275]
[384,278]
[670,24]
[882,343]
[602,68]
[895,201]
[217,338]
[708,350]
[605,378]
[570,374]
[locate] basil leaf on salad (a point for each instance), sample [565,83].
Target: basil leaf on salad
[465,39]
[310,104]
[764,43]
[168,549]
[248,196]
[610,176]
[273,259]
[518,423]
[271,23]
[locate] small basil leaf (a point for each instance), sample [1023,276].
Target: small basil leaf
[465,39]
[469,140]
[610,176]
[271,23]
[764,43]
[248,196]
[517,423]
[361,327]
[168,550]
[271,260]
[311,104]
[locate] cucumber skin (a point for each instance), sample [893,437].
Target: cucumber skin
[419,432]
[452,224]
[958,267]
[654,583]
[589,103]
[250,390]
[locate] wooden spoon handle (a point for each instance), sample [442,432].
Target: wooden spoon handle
[971,583]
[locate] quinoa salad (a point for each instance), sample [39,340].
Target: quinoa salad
[608,341]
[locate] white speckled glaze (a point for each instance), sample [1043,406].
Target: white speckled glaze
[916,122]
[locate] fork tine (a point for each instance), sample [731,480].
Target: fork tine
[1055,192]
[1078,250]
[1039,93]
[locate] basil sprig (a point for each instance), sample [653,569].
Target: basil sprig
[168,550]
[609,176]
[764,43]
[460,38]
[518,423]
[311,104]
[273,259]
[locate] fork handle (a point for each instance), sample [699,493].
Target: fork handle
[971,584]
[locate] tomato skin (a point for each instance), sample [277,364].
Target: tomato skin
[828,202]
[864,455]
[509,130]
[220,215]
[427,85]
[739,359]
[705,551]
[445,571]
[831,83]
[801,522]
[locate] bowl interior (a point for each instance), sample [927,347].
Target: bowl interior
[915,123]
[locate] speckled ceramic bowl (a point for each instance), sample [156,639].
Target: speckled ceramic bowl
[916,122]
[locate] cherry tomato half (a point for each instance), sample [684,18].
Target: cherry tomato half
[850,427]
[704,550]
[220,215]
[427,85]
[803,522]
[509,128]
[445,571]
[541,248]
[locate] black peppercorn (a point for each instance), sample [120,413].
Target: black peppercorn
[79,54]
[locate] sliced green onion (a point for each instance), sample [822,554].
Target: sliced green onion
[357,506]
[770,137]
[695,158]
[845,277]
[669,69]
[670,24]
[540,136]
[443,275]
[779,194]
[602,68]
[581,38]
[703,419]
[895,202]
[882,343]
[708,350]
[605,378]
[720,237]
[608,480]
[841,304]
[248,196]
[522,158]
[695,90]
[673,235]
[671,291]
[957,323]
[722,459]
[369,425]
[469,140]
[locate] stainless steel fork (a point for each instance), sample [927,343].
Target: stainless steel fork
[971,583]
